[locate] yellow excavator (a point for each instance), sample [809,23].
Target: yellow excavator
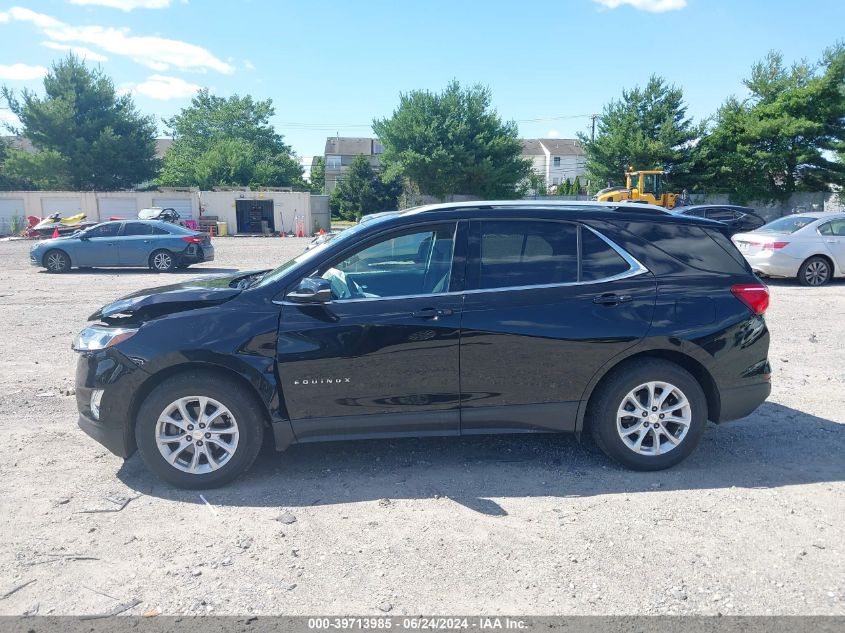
[644,186]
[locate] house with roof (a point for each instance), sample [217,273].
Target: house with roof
[556,159]
[342,150]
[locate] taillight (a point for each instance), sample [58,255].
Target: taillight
[769,246]
[193,239]
[755,296]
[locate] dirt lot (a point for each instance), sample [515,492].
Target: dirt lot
[752,523]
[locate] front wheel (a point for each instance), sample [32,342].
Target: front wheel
[57,261]
[648,414]
[816,271]
[162,261]
[199,430]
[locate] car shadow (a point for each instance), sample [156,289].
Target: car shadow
[144,271]
[775,446]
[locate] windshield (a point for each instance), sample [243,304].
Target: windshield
[789,224]
[273,275]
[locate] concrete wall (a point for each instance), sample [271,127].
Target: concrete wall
[287,207]
[797,203]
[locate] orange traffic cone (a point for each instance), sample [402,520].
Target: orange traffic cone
[322,232]
[55,232]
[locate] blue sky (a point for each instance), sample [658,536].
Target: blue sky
[331,66]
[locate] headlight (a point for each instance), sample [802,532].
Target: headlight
[100,337]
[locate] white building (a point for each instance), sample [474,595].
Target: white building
[556,159]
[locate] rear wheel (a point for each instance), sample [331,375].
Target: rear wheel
[56,261]
[162,261]
[648,414]
[199,430]
[816,271]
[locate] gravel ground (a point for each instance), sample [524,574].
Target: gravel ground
[752,523]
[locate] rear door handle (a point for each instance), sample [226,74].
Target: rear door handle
[432,313]
[611,299]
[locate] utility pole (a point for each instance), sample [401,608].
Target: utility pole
[593,132]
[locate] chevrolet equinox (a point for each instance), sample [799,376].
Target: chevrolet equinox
[625,321]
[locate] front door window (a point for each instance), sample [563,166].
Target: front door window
[408,264]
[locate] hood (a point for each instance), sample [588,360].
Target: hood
[189,295]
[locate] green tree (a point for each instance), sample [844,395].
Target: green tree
[783,137]
[317,179]
[647,128]
[362,191]
[453,142]
[228,142]
[565,187]
[85,135]
[576,186]
[537,184]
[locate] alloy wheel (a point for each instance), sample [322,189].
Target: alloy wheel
[816,272]
[56,262]
[197,434]
[654,418]
[162,261]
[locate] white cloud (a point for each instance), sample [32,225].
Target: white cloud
[155,52]
[79,51]
[653,6]
[248,65]
[21,72]
[4,17]
[163,87]
[126,5]
[552,134]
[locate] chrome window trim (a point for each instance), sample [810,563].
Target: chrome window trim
[636,269]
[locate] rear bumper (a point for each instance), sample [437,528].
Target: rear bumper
[774,263]
[737,402]
[198,254]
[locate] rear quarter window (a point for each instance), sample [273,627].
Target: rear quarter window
[598,259]
[693,246]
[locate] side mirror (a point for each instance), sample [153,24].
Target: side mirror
[311,290]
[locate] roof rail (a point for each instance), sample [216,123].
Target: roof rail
[635,207]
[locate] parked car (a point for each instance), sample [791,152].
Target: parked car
[806,246]
[165,214]
[160,246]
[627,322]
[737,218]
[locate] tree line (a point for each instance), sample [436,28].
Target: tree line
[786,135]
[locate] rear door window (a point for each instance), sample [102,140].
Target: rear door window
[137,228]
[530,253]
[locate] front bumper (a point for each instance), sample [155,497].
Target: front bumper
[120,379]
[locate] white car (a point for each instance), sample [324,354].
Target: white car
[809,246]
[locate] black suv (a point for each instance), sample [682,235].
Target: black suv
[629,322]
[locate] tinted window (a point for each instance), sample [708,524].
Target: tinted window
[527,254]
[109,229]
[723,215]
[598,259]
[136,228]
[157,230]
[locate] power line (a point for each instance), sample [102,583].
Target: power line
[316,127]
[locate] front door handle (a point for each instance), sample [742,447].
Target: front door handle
[611,299]
[432,313]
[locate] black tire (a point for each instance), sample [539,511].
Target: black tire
[163,261]
[56,261]
[609,396]
[816,271]
[244,408]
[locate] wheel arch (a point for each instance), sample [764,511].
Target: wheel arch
[154,380]
[684,360]
[834,269]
